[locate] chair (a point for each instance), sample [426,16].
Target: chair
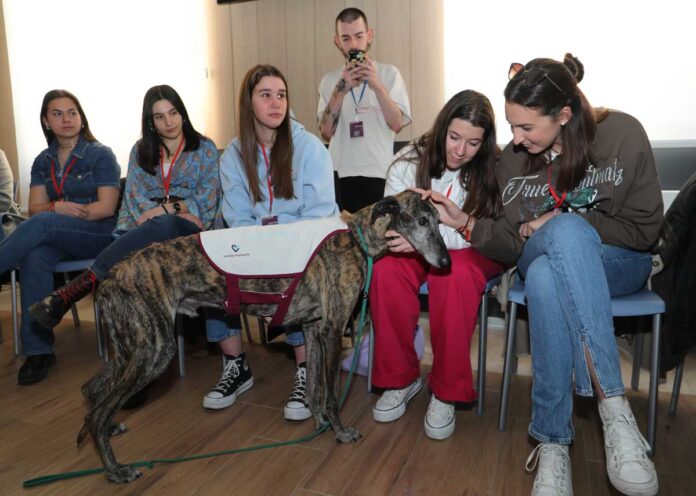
[676,388]
[641,303]
[483,335]
[64,267]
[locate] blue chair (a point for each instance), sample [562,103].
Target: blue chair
[65,267]
[641,303]
[483,335]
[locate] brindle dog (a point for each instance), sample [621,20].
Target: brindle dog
[143,293]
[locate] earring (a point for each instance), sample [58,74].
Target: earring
[48,128]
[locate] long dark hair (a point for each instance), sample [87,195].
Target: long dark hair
[149,145]
[478,176]
[47,99]
[281,153]
[556,88]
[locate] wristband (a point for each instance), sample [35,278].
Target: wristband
[464,230]
[164,208]
[177,207]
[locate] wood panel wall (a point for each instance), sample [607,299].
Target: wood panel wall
[297,37]
[8,139]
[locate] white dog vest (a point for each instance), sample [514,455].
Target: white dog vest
[266,252]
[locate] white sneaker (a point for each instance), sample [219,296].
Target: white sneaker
[554,476]
[628,466]
[392,404]
[439,421]
[296,407]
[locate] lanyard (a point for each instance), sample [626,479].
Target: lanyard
[166,181]
[268,179]
[59,188]
[362,94]
[554,193]
[449,190]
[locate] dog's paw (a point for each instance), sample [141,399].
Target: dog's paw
[117,429]
[348,435]
[123,473]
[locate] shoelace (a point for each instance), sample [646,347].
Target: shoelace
[70,291]
[299,392]
[230,373]
[549,474]
[623,436]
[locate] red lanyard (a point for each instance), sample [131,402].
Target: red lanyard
[554,193]
[166,181]
[449,190]
[59,188]
[268,178]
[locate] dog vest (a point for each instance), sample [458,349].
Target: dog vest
[266,252]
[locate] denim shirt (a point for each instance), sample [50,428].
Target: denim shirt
[95,166]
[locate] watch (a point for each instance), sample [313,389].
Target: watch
[177,207]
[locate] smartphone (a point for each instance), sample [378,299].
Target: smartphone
[356,56]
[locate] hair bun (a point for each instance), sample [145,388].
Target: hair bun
[574,66]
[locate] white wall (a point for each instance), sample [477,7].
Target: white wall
[638,55]
[108,54]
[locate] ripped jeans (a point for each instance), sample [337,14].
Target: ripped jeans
[570,277]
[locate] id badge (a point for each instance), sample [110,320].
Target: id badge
[356,129]
[269,220]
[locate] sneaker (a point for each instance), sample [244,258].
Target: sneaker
[439,421]
[628,466]
[392,404]
[554,476]
[296,407]
[236,379]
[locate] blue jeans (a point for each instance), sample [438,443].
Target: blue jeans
[570,277]
[217,330]
[37,245]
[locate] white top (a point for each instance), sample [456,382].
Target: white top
[402,175]
[370,154]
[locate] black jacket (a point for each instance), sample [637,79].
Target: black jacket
[676,283]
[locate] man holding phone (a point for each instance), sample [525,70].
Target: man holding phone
[361,107]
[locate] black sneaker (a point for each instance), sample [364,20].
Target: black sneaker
[236,378]
[35,368]
[296,407]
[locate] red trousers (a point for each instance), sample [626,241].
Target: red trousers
[454,299]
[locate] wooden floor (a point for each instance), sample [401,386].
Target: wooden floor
[39,423]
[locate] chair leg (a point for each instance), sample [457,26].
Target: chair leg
[507,368]
[678,374]
[262,331]
[179,329]
[654,383]
[370,361]
[637,359]
[15,316]
[101,348]
[245,321]
[483,335]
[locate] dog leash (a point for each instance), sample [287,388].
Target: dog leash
[47,479]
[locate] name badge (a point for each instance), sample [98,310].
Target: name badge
[356,129]
[269,220]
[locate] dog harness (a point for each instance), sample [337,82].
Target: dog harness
[266,252]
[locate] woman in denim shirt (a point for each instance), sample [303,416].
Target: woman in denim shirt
[72,200]
[172,190]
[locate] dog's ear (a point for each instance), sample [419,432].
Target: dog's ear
[386,206]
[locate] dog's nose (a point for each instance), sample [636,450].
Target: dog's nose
[445,261]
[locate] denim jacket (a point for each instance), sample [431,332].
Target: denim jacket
[95,166]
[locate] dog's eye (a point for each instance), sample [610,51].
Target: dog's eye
[423,221]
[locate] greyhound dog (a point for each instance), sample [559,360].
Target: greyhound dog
[142,294]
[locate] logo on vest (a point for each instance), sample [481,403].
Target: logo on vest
[235,248]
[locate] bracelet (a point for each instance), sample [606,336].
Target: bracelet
[164,208]
[464,230]
[52,206]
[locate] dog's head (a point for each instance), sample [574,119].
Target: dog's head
[414,219]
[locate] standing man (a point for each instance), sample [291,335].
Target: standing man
[362,106]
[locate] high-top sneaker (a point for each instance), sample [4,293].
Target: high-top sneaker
[236,378]
[554,476]
[628,466]
[49,311]
[439,421]
[296,407]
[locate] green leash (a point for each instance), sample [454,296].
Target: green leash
[47,479]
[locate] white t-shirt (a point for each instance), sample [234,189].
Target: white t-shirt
[370,154]
[402,175]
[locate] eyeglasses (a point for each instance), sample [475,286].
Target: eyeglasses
[532,77]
